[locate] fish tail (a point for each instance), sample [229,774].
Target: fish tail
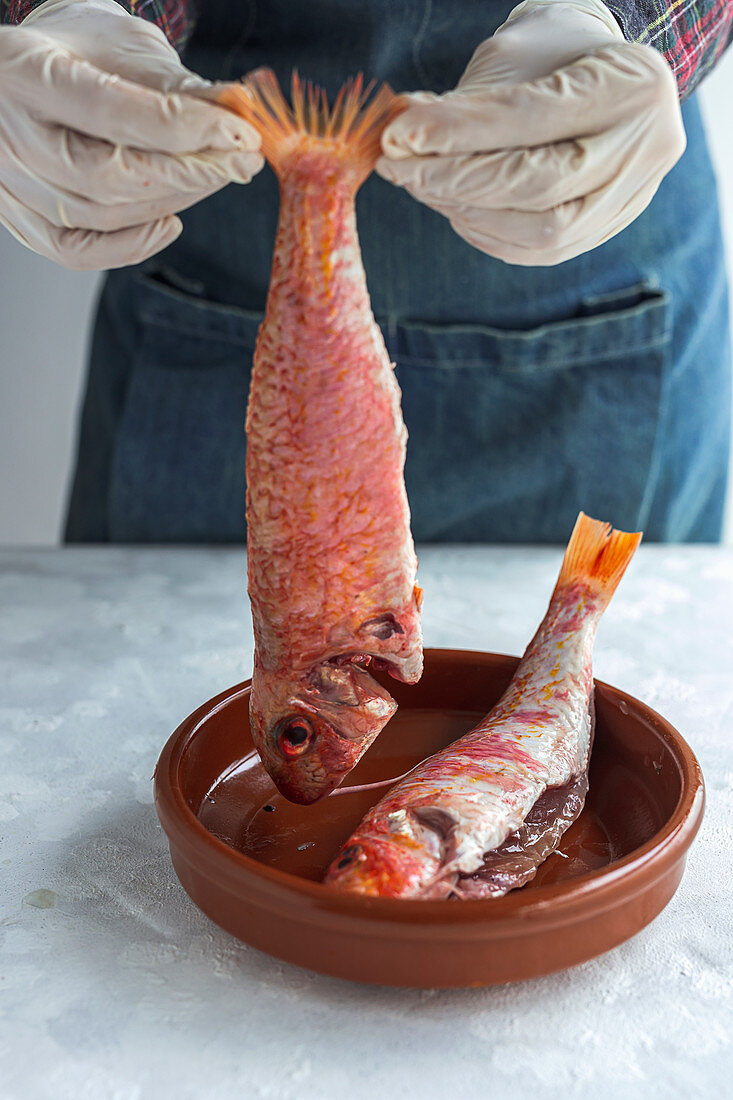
[597,556]
[352,127]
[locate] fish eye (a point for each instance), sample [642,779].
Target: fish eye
[294,736]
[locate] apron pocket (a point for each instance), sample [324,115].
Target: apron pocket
[178,468]
[513,432]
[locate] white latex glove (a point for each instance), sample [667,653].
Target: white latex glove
[99,143]
[556,137]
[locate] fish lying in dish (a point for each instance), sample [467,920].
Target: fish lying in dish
[476,819]
[332,566]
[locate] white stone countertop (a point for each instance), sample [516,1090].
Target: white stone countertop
[113,986]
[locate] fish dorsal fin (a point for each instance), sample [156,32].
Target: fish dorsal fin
[350,129]
[596,557]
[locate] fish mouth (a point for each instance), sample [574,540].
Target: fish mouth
[305,794]
[322,769]
[333,704]
[407,669]
[311,731]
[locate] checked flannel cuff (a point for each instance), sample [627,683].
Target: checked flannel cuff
[690,34]
[174,17]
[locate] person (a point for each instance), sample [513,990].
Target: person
[546,266]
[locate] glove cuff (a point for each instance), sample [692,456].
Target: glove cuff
[593,8]
[53,7]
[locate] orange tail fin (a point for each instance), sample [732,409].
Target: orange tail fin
[352,127]
[597,556]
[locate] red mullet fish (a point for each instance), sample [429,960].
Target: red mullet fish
[332,567]
[476,819]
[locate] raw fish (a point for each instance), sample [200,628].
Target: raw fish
[477,818]
[332,566]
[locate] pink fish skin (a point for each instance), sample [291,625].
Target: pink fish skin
[431,833]
[332,566]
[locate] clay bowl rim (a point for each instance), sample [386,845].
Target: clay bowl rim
[599,888]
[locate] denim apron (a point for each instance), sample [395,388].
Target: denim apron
[529,393]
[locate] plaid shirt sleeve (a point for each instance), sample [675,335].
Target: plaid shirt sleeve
[690,34]
[174,17]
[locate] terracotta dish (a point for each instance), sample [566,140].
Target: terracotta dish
[252,861]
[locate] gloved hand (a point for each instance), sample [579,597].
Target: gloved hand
[556,137]
[101,138]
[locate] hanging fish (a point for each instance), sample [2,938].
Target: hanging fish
[332,566]
[477,818]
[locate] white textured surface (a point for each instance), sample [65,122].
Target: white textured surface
[122,990]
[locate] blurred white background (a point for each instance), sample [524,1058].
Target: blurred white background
[44,322]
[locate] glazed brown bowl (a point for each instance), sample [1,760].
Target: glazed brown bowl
[252,861]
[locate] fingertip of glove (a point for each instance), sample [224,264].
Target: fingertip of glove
[243,166]
[191,84]
[385,168]
[159,235]
[397,171]
[210,125]
[393,147]
[231,126]
[168,230]
[242,136]
[414,98]
[405,136]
